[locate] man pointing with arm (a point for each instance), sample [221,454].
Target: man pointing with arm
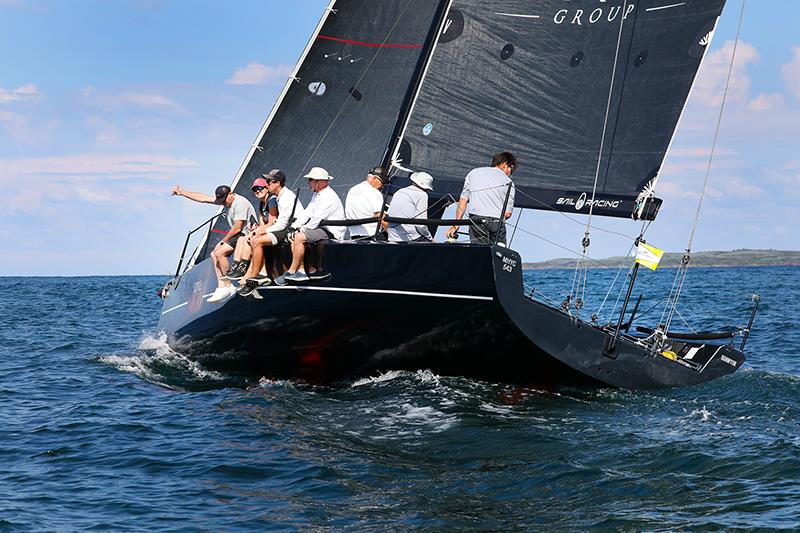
[240,211]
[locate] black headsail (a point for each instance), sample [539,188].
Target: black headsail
[340,108]
[534,77]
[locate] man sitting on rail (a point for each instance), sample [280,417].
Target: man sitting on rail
[366,201]
[289,207]
[267,213]
[324,205]
[411,202]
[240,212]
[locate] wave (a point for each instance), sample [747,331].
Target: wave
[157,362]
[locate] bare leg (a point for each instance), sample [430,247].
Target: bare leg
[242,250]
[257,255]
[298,252]
[220,259]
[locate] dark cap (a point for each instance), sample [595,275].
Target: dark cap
[380,173]
[275,174]
[221,193]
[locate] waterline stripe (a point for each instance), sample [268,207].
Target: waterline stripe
[518,15]
[349,289]
[665,7]
[184,303]
[379,291]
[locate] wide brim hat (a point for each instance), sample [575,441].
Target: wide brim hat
[318,173]
[423,180]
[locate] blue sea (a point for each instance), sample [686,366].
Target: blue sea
[103,427]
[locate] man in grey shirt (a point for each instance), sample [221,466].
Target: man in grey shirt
[485,190]
[411,202]
[240,213]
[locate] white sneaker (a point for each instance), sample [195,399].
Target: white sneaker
[222,293]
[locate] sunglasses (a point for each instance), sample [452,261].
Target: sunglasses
[257,189]
[273,181]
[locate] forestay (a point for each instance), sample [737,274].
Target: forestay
[533,77]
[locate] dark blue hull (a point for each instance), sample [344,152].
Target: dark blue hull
[453,309]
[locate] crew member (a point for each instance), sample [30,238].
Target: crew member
[240,212]
[411,202]
[365,201]
[274,233]
[485,190]
[324,205]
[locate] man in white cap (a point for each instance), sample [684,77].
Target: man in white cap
[240,212]
[324,205]
[411,202]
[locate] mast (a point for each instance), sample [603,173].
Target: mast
[413,88]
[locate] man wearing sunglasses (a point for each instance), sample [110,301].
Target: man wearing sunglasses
[272,233]
[267,214]
[240,212]
[485,190]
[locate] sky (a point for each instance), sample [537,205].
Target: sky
[105,105]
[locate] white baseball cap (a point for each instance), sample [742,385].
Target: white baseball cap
[423,179]
[318,173]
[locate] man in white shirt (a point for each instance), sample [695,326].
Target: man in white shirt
[240,212]
[289,207]
[324,205]
[365,201]
[411,202]
[485,190]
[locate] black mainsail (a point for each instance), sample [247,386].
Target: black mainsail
[533,77]
[343,101]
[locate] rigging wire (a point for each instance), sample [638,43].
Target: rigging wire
[579,278]
[671,306]
[347,100]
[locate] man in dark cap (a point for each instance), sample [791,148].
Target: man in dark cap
[366,201]
[240,212]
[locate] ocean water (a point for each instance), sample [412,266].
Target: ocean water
[102,426]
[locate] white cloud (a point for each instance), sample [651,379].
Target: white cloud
[791,73]
[25,92]
[741,188]
[710,85]
[766,102]
[258,74]
[147,100]
[94,167]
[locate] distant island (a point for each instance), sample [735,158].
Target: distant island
[731,258]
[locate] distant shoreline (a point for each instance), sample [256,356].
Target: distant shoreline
[719,259]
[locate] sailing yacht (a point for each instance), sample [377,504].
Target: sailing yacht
[587,94]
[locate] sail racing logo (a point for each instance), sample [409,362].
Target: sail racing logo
[582,201]
[603,13]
